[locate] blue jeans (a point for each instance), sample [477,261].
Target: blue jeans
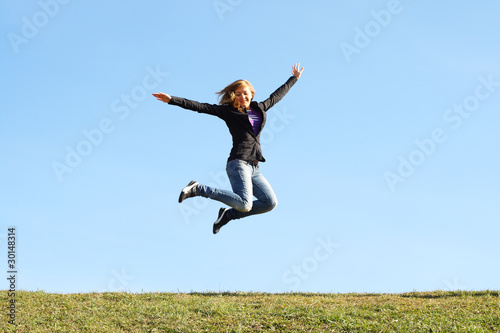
[247,182]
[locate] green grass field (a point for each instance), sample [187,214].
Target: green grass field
[438,311]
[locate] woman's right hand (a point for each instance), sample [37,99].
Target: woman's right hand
[162,97]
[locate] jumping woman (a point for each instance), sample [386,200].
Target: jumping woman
[245,120]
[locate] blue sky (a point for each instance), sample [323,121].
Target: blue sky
[384,156]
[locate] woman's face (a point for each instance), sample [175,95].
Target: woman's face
[243,96]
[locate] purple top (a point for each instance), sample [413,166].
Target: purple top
[255,119]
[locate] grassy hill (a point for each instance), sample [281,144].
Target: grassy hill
[437,311]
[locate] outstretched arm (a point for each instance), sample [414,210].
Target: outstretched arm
[185,103]
[162,97]
[282,91]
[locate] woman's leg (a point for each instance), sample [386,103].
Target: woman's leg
[247,181]
[262,190]
[240,176]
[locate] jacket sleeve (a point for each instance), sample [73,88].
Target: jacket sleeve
[278,94]
[212,109]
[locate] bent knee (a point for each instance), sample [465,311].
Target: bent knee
[247,206]
[270,204]
[273,203]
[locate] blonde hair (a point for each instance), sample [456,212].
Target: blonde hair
[228,97]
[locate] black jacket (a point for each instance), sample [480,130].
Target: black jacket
[246,145]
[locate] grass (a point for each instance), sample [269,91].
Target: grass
[438,311]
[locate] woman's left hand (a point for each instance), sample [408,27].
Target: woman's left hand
[295,70]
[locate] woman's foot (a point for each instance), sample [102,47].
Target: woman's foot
[188,191]
[222,220]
